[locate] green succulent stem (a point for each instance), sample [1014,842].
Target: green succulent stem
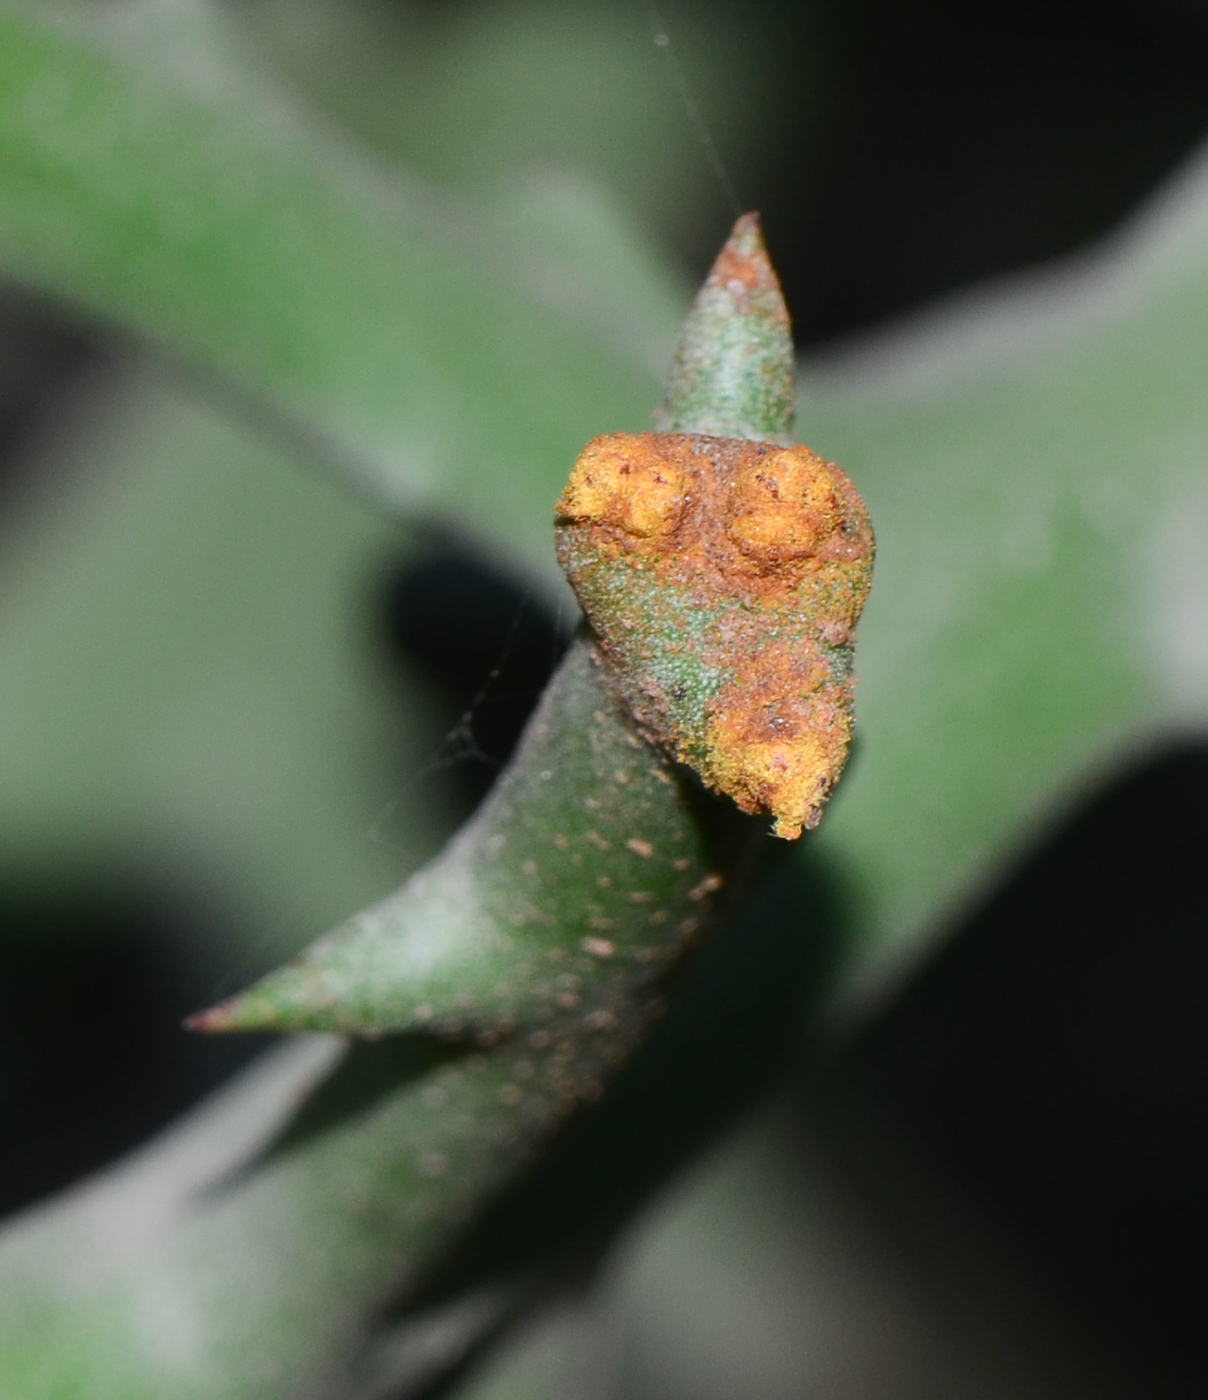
[499,990]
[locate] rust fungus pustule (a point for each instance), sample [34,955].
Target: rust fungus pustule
[784,507]
[626,483]
[724,579]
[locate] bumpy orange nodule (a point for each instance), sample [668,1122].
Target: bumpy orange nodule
[613,484]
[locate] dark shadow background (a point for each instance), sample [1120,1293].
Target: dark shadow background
[950,142]
[1052,1061]
[1049,1067]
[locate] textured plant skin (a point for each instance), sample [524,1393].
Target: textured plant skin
[554,914]
[517,974]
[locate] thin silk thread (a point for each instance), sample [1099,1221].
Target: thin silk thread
[679,79]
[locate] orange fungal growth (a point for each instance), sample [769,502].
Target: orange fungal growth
[724,578]
[790,779]
[624,482]
[784,506]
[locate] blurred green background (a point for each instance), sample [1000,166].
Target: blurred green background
[238,702]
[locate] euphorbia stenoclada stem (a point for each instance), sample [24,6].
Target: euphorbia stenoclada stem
[721,573]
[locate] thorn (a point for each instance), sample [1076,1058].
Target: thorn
[733,372]
[743,270]
[238,1013]
[212,1021]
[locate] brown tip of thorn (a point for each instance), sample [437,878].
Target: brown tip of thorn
[216,1019]
[743,266]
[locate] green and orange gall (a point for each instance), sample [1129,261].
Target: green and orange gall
[723,578]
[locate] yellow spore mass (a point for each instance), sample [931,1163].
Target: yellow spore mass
[619,481]
[785,506]
[790,779]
